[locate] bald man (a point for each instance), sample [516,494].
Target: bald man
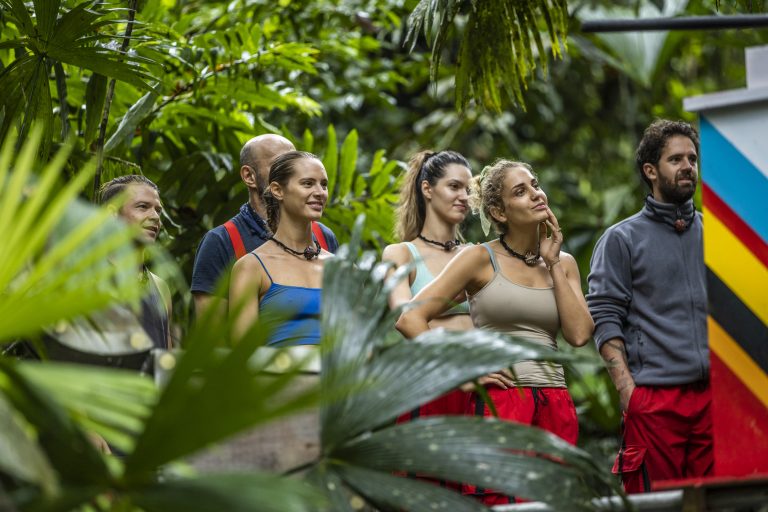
[247,230]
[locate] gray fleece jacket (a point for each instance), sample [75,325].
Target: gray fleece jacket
[647,287]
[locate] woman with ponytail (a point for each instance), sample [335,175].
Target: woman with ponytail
[520,284]
[284,275]
[434,200]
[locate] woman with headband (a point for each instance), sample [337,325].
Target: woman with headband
[523,285]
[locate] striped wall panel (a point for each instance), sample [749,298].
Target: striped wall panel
[734,158]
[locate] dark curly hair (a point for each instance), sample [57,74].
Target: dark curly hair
[655,139]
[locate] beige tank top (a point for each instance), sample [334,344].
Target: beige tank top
[528,313]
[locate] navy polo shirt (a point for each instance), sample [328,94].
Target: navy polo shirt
[215,254]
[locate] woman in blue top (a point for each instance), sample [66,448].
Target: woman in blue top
[284,275]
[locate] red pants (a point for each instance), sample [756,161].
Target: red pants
[551,409]
[666,435]
[453,403]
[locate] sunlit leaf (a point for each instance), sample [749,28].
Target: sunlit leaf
[131,120]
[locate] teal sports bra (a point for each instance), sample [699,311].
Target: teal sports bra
[424,277]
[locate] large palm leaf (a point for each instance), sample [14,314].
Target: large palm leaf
[386,377]
[49,34]
[61,258]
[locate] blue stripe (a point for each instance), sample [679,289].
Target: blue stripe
[735,179]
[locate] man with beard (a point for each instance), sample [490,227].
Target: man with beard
[223,245]
[648,299]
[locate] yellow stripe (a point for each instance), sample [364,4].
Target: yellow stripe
[735,265]
[739,362]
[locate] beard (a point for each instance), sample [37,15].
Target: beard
[261,185]
[672,192]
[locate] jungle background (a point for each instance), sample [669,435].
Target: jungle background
[176,95]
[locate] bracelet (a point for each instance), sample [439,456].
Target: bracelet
[549,267]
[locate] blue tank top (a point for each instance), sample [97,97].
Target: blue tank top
[301,304]
[424,277]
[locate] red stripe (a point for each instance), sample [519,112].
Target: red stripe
[319,235]
[235,238]
[733,222]
[740,424]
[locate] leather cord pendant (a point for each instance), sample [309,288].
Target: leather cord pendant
[529,258]
[446,246]
[308,253]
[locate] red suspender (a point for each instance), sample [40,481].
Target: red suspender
[319,235]
[239,248]
[237,240]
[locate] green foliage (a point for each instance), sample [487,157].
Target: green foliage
[497,48]
[223,72]
[48,36]
[70,282]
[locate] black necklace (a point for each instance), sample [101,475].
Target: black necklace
[530,258]
[308,252]
[447,246]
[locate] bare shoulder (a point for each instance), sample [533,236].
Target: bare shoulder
[396,253]
[473,253]
[569,263]
[246,262]
[567,257]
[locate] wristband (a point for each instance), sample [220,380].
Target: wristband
[549,267]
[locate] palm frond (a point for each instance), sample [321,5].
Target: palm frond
[70,453]
[396,493]
[381,377]
[71,255]
[496,52]
[58,35]
[208,382]
[513,458]
[22,456]
[113,404]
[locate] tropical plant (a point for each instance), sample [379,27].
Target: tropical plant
[496,52]
[78,37]
[369,377]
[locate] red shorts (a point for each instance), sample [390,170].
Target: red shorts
[453,403]
[666,435]
[551,409]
